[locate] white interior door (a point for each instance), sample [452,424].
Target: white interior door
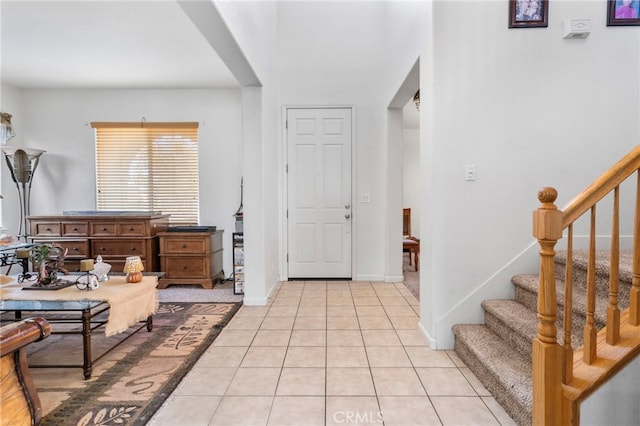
[319,192]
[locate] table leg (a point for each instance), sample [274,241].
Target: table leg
[150,323]
[87,365]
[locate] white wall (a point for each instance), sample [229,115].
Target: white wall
[58,121]
[528,109]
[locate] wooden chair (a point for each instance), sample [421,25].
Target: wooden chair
[20,404]
[410,243]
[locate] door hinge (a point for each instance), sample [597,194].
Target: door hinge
[287,257]
[287,213]
[286,124]
[286,168]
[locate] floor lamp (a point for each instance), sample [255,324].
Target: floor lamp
[22,164]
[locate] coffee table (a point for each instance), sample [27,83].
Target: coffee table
[124,304]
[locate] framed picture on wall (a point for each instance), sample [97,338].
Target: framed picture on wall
[623,12]
[529,13]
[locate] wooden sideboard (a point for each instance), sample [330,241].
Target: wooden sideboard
[191,258]
[112,236]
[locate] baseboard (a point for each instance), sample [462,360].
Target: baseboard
[394,279]
[433,344]
[371,277]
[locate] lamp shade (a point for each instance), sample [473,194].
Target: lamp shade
[133,264]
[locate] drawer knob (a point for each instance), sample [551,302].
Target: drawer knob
[104,229]
[130,229]
[103,249]
[75,229]
[48,229]
[132,249]
[184,246]
[75,249]
[185,267]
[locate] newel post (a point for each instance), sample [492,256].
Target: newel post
[547,357]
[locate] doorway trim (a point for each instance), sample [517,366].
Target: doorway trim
[284,194]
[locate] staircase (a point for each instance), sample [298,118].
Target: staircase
[499,351]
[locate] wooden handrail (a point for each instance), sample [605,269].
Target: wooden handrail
[602,186]
[562,379]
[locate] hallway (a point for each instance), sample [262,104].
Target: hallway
[329,353]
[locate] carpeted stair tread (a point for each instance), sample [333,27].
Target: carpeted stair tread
[581,258]
[512,321]
[502,370]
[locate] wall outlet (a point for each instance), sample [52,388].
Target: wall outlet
[469,172]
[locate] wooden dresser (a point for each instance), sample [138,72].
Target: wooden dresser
[112,236]
[191,258]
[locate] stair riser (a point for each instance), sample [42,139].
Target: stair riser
[520,414]
[517,340]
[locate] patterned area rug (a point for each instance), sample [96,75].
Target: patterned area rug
[130,383]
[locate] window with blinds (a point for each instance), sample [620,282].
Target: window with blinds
[148,167]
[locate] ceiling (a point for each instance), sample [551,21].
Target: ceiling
[105,44]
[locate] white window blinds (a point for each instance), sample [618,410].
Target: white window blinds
[148,167]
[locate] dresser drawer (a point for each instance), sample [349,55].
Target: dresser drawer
[185,267]
[75,229]
[75,249]
[46,229]
[118,248]
[132,229]
[104,229]
[185,245]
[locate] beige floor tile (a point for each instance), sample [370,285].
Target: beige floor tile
[301,382]
[338,285]
[290,292]
[186,410]
[375,323]
[342,323]
[310,323]
[312,311]
[422,356]
[230,412]
[282,311]
[308,338]
[360,284]
[475,383]
[339,300]
[222,356]
[349,356]
[462,410]
[412,338]
[370,311]
[397,381]
[252,311]
[455,359]
[399,311]
[363,292]
[272,338]
[246,323]
[405,323]
[341,311]
[498,411]
[305,356]
[344,338]
[313,301]
[393,301]
[353,410]
[297,411]
[234,338]
[344,291]
[264,356]
[388,290]
[282,301]
[387,356]
[349,381]
[445,382]
[381,338]
[277,323]
[254,382]
[408,411]
[366,301]
[206,381]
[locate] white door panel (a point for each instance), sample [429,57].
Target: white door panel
[319,193]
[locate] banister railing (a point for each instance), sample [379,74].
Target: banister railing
[562,377]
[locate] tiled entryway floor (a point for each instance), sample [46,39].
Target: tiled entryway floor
[329,353]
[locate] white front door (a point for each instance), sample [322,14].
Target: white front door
[319,192]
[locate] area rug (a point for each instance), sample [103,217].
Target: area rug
[131,382]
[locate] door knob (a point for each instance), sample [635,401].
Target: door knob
[347,216]
[347,206]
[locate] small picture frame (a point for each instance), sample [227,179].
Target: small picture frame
[529,13]
[623,12]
